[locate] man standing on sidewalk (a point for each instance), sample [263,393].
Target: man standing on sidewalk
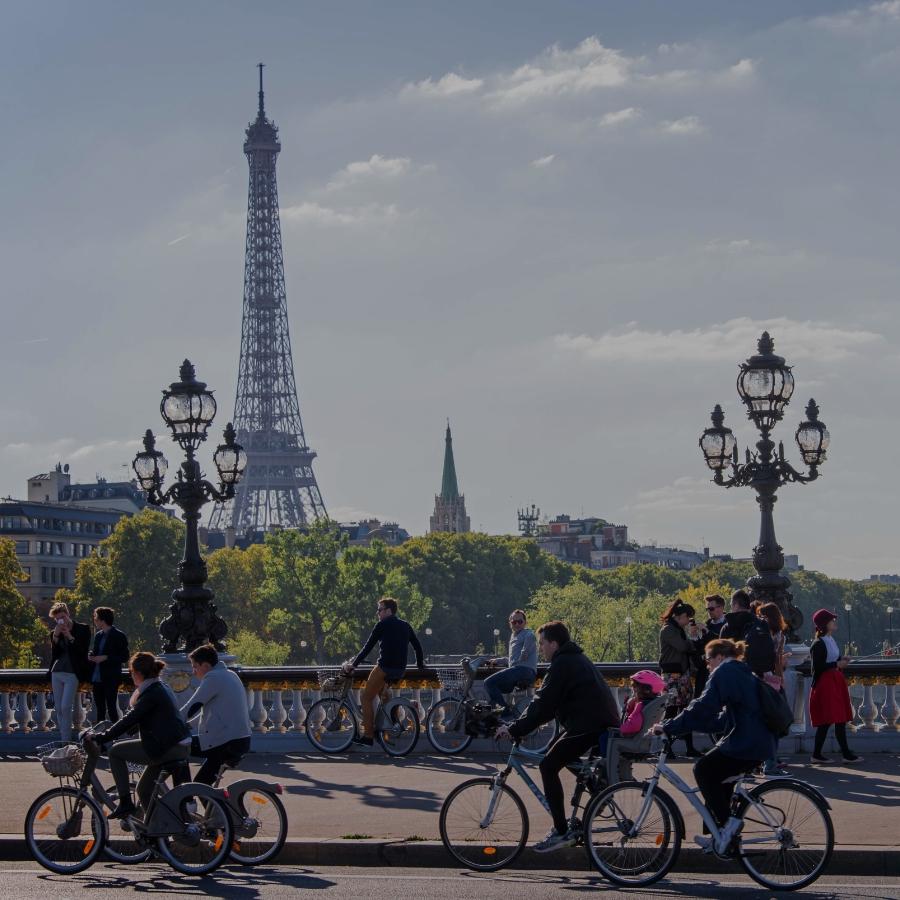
[109,655]
[393,635]
[521,662]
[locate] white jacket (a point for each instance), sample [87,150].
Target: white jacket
[224,716]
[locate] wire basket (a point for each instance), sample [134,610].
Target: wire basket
[332,680]
[452,678]
[61,759]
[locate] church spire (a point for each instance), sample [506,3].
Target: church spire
[449,487]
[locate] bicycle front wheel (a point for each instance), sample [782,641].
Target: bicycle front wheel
[205,840]
[262,831]
[398,728]
[627,848]
[446,726]
[787,839]
[121,844]
[484,825]
[542,737]
[330,725]
[65,830]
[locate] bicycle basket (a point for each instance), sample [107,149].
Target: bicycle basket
[451,679]
[61,758]
[332,681]
[482,719]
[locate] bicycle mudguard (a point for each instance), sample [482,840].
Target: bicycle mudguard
[165,819]
[802,787]
[237,790]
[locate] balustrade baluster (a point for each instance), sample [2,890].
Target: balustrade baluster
[891,710]
[23,712]
[867,710]
[258,714]
[298,712]
[278,714]
[6,713]
[42,712]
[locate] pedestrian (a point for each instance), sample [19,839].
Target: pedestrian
[676,651]
[520,662]
[741,624]
[712,628]
[108,655]
[69,666]
[829,699]
[731,698]
[771,615]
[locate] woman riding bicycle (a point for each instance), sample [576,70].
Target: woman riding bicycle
[729,705]
[164,735]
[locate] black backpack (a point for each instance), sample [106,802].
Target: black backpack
[774,710]
[760,654]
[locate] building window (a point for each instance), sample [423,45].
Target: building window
[63,576]
[45,577]
[22,547]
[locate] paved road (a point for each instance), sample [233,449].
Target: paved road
[370,795]
[26,882]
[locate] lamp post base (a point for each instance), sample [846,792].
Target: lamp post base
[771,588]
[193,621]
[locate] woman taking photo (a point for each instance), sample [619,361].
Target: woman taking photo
[829,699]
[771,615]
[676,649]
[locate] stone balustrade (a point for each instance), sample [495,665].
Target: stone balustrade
[278,700]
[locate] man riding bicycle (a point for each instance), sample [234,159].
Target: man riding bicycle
[221,702]
[576,694]
[393,634]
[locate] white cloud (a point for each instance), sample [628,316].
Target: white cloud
[732,246]
[619,117]
[861,21]
[542,161]
[734,339]
[317,215]
[688,493]
[684,126]
[375,167]
[450,85]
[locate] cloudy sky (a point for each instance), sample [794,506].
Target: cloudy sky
[560,224]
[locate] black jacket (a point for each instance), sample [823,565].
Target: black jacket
[393,634]
[78,651]
[573,691]
[736,624]
[157,719]
[818,653]
[116,649]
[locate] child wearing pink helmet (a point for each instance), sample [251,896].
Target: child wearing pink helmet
[645,686]
[645,707]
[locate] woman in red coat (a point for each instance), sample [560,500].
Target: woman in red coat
[829,700]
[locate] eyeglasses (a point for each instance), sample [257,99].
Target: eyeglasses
[709,658]
[713,608]
[380,608]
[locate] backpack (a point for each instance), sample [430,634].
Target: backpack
[760,655]
[774,710]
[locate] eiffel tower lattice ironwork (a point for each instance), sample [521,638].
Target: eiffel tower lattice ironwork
[279,488]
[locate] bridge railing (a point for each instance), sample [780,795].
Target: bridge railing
[278,698]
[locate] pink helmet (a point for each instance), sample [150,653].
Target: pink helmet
[645,676]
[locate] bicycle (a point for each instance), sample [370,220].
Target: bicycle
[189,826]
[483,822]
[447,720]
[333,722]
[633,830]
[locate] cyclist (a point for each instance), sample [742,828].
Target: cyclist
[221,702]
[521,663]
[575,693]
[164,735]
[729,705]
[392,634]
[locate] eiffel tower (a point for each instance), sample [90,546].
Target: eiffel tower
[279,488]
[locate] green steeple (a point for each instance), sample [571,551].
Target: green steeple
[449,488]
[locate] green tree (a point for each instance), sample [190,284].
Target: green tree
[236,577]
[21,633]
[251,649]
[134,571]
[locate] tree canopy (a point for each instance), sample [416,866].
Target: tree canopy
[21,632]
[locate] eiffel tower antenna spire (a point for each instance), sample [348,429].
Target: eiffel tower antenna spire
[279,489]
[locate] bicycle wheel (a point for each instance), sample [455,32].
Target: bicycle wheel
[262,831]
[795,850]
[207,837]
[446,726]
[121,844]
[482,846]
[625,854]
[398,729]
[542,737]
[330,725]
[65,830]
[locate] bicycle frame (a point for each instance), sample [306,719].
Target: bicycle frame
[380,720]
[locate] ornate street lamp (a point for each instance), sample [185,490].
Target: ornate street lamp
[849,608]
[188,409]
[628,621]
[765,385]
[428,648]
[890,612]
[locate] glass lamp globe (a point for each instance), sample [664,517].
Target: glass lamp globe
[717,443]
[188,408]
[765,384]
[230,458]
[812,437]
[150,465]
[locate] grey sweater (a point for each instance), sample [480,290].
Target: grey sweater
[224,715]
[523,650]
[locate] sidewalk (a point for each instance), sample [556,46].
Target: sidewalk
[366,809]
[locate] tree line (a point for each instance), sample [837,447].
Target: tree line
[306,596]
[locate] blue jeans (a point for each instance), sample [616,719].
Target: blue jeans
[505,680]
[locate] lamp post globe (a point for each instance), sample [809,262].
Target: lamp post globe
[765,384]
[188,409]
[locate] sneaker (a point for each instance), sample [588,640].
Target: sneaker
[729,832]
[123,811]
[852,758]
[775,772]
[363,740]
[704,842]
[555,841]
[819,760]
